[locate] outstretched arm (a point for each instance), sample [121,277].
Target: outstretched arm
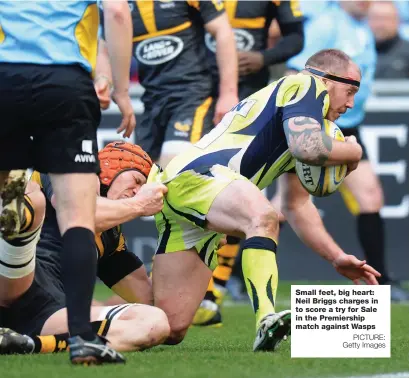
[309,144]
[111,213]
[306,222]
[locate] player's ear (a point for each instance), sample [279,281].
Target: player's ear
[325,81]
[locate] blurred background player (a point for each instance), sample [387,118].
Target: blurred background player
[169,47]
[344,26]
[34,304]
[48,84]
[392,49]
[251,21]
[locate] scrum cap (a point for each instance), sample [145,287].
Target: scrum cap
[117,157]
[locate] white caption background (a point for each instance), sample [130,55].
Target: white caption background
[340,321]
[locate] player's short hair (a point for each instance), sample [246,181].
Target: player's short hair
[330,60]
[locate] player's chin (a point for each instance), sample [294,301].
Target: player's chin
[333,116]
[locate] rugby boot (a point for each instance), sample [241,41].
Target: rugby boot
[208,315]
[12,196]
[14,343]
[94,352]
[273,329]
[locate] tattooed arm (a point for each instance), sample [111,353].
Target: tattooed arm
[309,144]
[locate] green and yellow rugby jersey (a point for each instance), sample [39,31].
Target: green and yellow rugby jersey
[250,138]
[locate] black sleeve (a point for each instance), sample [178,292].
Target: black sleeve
[289,45]
[300,98]
[288,12]
[209,10]
[113,267]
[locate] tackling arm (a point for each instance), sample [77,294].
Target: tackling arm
[111,213]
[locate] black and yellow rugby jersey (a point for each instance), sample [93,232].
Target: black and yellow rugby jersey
[250,138]
[250,21]
[115,261]
[168,45]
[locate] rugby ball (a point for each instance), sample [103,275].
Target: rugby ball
[322,181]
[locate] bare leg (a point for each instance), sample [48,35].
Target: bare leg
[138,327]
[179,280]
[75,196]
[242,209]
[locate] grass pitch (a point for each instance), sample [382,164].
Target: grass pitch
[223,352]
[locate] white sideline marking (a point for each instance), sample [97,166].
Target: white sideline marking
[402,374]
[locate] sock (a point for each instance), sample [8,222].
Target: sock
[51,344]
[79,266]
[59,343]
[371,235]
[226,256]
[260,274]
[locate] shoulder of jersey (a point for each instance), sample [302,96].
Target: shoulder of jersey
[303,80]
[297,85]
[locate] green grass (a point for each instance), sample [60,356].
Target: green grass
[223,352]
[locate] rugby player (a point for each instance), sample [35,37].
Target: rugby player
[51,112]
[173,69]
[214,188]
[251,21]
[34,302]
[362,191]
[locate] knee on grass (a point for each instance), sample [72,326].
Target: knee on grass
[156,326]
[178,330]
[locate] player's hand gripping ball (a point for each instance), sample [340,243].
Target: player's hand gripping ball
[323,181]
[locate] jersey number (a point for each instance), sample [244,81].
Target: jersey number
[242,109]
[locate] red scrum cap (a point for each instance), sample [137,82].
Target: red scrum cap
[117,157]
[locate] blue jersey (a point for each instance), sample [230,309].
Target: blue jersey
[337,29]
[311,9]
[49,32]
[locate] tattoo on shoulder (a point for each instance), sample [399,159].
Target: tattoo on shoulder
[306,141]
